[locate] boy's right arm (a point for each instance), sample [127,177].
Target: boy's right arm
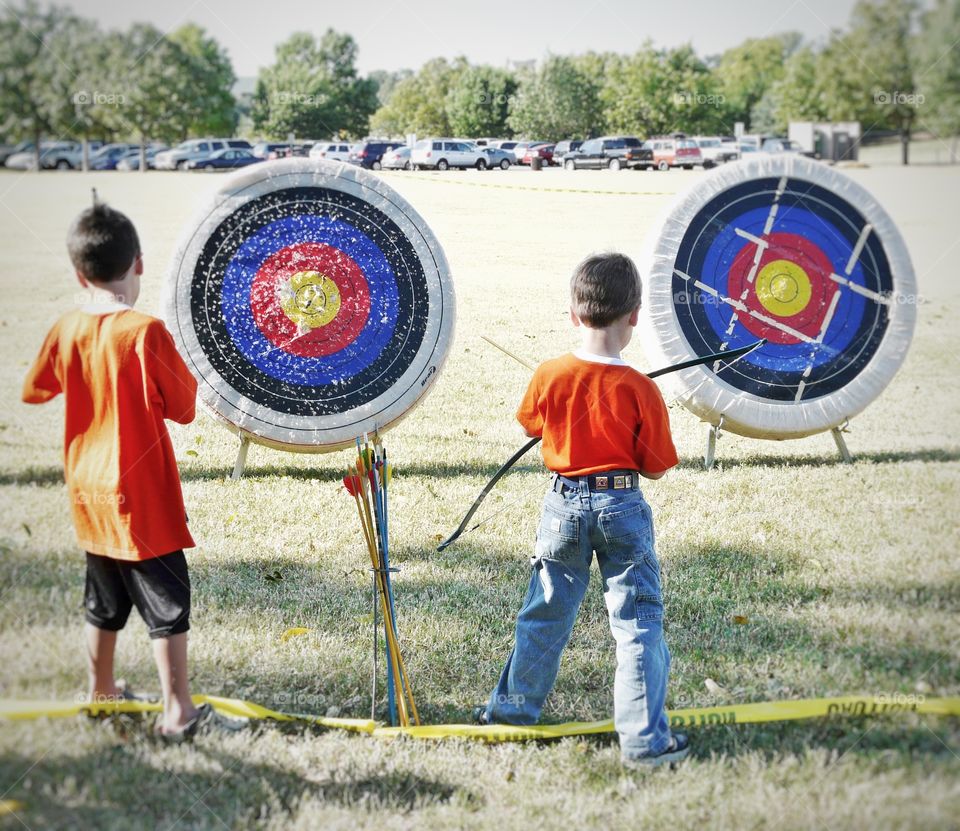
[528,414]
[177,388]
[42,383]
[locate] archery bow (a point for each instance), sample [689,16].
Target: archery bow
[703,359]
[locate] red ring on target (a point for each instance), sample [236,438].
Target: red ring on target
[802,254]
[276,325]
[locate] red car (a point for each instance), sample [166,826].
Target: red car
[543,151]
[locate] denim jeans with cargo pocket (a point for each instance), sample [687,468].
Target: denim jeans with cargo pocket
[618,527]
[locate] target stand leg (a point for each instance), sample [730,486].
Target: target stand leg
[241,462]
[842,445]
[710,454]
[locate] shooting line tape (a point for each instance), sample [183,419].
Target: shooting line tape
[755,713]
[445,181]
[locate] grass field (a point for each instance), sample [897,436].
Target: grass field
[847,575]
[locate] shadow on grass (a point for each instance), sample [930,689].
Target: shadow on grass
[927,455]
[136,786]
[194,472]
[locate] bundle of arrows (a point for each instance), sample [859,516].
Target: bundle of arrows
[368,483]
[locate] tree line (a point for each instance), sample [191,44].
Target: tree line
[895,67]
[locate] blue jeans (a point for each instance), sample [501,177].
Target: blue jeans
[618,526]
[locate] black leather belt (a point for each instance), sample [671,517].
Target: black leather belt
[609,480]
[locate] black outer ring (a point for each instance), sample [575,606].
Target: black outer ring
[293,399]
[716,215]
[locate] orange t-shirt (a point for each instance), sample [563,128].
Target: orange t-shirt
[121,376]
[596,416]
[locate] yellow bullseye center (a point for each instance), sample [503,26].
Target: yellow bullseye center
[783,288]
[310,299]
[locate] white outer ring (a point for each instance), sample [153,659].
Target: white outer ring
[310,434]
[702,392]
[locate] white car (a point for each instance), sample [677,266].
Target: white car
[444,153]
[62,155]
[337,151]
[396,159]
[714,151]
[188,151]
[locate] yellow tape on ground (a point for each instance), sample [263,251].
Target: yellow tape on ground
[755,713]
[445,181]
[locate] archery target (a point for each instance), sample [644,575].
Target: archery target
[311,302]
[787,249]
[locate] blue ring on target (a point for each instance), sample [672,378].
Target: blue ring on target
[277,362]
[844,265]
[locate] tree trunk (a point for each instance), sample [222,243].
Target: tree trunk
[36,151]
[905,145]
[85,165]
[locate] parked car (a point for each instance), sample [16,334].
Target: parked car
[496,157]
[509,147]
[224,160]
[564,147]
[780,145]
[445,153]
[675,152]
[189,151]
[544,152]
[604,152]
[370,153]
[337,151]
[396,159]
[20,147]
[107,157]
[715,151]
[520,149]
[132,160]
[640,158]
[61,155]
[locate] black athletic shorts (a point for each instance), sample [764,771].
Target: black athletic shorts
[158,587]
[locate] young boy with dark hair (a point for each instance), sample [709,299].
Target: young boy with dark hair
[121,376]
[604,426]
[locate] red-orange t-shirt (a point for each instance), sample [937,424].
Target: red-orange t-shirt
[596,415]
[121,376]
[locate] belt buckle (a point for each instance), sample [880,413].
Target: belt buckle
[619,482]
[602,483]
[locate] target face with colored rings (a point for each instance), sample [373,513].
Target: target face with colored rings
[311,302]
[789,250]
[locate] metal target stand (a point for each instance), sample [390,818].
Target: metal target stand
[714,431]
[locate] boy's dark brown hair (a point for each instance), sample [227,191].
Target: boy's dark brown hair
[102,244]
[604,288]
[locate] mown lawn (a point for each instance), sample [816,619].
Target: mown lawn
[847,575]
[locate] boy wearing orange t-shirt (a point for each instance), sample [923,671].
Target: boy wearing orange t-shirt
[604,425]
[121,377]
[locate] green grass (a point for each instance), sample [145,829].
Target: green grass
[847,574]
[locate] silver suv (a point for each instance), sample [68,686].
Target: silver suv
[195,150]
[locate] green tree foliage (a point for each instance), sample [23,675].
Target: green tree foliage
[556,101]
[213,79]
[419,104]
[867,73]
[746,72]
[478,101]
[387,81]
[313,90]
[38,72]
[654,92]
[938,71]
[797,96]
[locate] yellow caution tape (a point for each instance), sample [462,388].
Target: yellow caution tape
[293,633]
[445,181]
[755,713]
